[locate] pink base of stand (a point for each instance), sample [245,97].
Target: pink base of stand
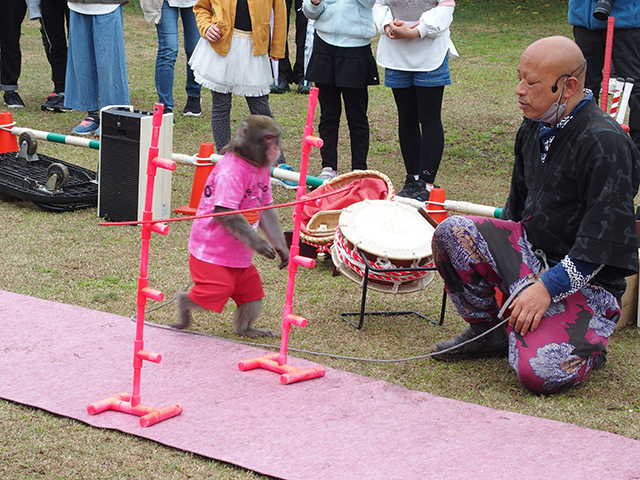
[148,415]
[289,374]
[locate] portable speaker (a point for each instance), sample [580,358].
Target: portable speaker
[125,137]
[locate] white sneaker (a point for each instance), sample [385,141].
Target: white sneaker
[327,174]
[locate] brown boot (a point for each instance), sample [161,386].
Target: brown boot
[494,344]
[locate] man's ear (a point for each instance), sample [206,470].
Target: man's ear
[570,88]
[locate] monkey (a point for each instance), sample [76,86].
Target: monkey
[221,247]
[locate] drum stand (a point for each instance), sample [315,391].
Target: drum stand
[365,283]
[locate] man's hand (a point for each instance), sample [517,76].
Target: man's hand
[213,33]
[529,307]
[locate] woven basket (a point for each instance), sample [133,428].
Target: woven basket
[322,226]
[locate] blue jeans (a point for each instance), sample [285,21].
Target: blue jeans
[168,51]
[96,62]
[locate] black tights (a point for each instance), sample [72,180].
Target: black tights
[420,129]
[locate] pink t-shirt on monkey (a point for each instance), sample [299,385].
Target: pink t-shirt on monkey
[234,184]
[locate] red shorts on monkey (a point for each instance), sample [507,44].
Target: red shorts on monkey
[214,285]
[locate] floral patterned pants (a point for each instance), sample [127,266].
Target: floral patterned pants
[477,255]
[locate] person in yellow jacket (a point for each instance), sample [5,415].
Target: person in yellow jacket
[232,57]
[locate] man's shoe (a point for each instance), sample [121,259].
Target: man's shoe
[54,103]
[279,86]
[600,360]
[87,127]
[304,87]
[494,344]
[13,100]
[192,108]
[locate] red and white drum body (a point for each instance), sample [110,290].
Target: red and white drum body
[388,235]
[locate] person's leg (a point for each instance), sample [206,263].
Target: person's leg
[259,105]
[626,57]
[475,256]
[356,101]
[221,118]
[285,73]
[167,30]
[561,352]
[81,78]
[113,84]
[429,106]
[301,36]
[54,38]
[408,128]
[191,37]
[592,43]
[330,111]
[13,13]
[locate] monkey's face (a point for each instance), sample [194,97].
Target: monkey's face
[272,148]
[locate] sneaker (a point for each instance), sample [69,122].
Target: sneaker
[192,108]
[304,87]
[600,359]
[87,127]
[54,103]
[280,86]
[13,100]
[415,188]
[327,174]
[284,183]
[97,132]
[494,344]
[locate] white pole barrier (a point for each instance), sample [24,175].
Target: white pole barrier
[616,96]
[454,206]
[626,93]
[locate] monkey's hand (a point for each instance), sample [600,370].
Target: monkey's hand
[270,225]
[238,226]
[284,258]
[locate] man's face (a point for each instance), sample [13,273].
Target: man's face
[534,87]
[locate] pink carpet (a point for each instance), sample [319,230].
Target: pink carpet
[61,357]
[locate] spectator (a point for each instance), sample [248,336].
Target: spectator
[591,36]
[96,62]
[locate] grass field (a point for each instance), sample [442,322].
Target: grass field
[68,258]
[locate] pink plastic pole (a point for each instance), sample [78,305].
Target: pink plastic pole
[294,258]
[123,402]
[604,100]
[277,362]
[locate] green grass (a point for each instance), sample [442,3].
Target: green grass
[69,258]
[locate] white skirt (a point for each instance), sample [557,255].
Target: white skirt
[240,72]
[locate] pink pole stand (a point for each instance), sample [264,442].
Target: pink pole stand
[124,402]
[277,362]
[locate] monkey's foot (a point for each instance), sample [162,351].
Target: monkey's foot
[184,316]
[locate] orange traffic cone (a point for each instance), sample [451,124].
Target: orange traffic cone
[199,179]
[8,141]
[436,209]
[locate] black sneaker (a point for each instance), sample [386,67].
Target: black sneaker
[13,100]
[600,359]
[192,108]
[54,103]
[416,189]
[304,87]
[280,86]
